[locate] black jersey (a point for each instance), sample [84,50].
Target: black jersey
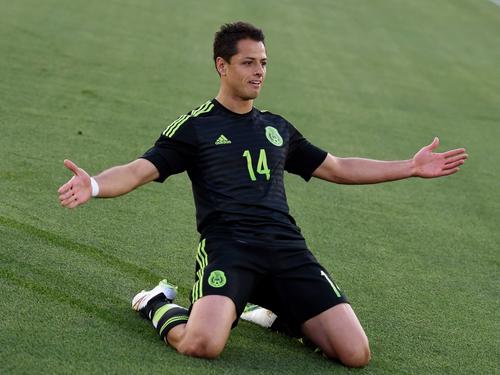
[236,164]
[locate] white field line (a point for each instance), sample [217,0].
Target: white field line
[497,2]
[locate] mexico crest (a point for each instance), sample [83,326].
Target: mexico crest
[273,136]
[217,279]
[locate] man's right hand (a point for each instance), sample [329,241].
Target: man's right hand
[78,189]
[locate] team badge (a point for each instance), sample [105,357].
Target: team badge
[217,279]
[273,136]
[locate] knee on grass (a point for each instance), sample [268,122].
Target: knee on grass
[200,346]
[355,356]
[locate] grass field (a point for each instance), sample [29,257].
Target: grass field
[98,81]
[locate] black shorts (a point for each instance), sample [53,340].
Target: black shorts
[282,276]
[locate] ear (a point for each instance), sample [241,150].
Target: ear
[221,66]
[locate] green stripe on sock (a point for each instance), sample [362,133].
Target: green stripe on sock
[160,312]
[172,320]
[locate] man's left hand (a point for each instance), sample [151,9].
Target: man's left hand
[428,164]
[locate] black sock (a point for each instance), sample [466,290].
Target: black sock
[165,316]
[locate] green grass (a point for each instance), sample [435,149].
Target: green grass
[98,81]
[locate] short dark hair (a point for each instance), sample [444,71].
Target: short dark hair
[227,38]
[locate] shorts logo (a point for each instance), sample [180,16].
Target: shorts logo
[273,136]
[217,279]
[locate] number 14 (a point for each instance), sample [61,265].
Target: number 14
[262,167]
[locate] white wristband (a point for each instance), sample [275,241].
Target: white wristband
[95,187]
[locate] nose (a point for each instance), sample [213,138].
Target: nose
[260,71]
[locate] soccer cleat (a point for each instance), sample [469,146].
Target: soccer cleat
[258,315]
[163,290]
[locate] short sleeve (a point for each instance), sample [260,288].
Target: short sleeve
[303,157]
[173,154]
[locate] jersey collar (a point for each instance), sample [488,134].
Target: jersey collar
[229,112]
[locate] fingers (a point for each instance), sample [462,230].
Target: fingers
[63,189]
[68,185]
[66,195]
[74,192]
[454,159]
[71,166]
[453,165]
[73,204]
[434,144]
[447,172]
[70,202]
[72,199]
[451,153]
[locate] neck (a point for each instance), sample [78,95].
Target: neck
[233,103]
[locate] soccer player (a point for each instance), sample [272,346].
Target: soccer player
[250,249]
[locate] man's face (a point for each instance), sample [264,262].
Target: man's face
[245,74]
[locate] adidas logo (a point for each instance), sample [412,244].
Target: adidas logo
[222,140]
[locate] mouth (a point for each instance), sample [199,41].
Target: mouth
[255,83]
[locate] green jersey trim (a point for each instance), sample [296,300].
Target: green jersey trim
[174,126]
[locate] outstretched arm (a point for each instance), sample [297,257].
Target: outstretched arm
[112,182]
[425,163]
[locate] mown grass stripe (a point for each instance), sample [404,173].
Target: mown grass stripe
[83,249]
[122,322]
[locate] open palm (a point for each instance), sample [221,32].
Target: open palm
[428,164]
[78,189]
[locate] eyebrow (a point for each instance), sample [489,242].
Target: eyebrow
[253,58]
